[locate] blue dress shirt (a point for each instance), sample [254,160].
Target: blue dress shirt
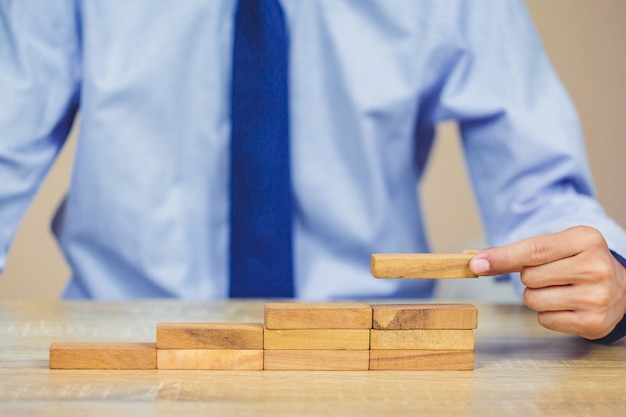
[147,210]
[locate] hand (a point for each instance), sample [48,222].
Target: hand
[572,280]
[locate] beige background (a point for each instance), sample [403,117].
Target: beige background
[586,41]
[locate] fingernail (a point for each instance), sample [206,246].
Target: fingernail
[479,266]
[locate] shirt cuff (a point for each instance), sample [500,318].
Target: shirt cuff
[620,330]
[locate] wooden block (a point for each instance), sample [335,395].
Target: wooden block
[316,360]
[421,265]
[229,336]
[327,339]
[422,339]
[424,316]
[90,355]
[421,360]
[318,316]
[210,359]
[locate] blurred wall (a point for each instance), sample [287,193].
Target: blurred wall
[586,42]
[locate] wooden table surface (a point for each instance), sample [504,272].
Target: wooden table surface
[521,370]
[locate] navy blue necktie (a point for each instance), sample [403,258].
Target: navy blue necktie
[261,203]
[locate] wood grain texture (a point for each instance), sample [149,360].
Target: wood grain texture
[333,339]
[210,359]
[316,360]
[421,360]
[424,316]
[422,339]
[522,369]
[421,265]
[318,316]
[102,355]
[230,336]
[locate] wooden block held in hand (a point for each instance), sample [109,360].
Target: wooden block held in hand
[210,359]
[421,360]
[230,336]
[422,339]
[311,339]
[424,316]
[316,360]
[421,265]
[107,355]
[318,316]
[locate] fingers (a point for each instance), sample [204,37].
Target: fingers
[585,268]
[535,251]
[549,274]
[568,297]
[568,309]
[590,326]
[549,299]
[582,295]
[572,280]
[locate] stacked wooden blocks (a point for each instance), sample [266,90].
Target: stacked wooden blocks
[298,336]
[423,337]
[214,346]
[321,336]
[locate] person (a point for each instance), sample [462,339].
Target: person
[147,213]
